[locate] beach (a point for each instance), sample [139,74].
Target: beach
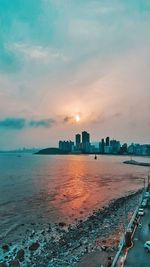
[68,245]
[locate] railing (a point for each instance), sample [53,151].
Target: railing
[121,245]
[122,241]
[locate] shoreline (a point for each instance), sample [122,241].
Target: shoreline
[66,245]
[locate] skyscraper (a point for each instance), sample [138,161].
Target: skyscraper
[85,137]
[102,145]
[78,141]
[85,142]
[107,141]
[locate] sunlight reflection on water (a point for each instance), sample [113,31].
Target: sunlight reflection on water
[52,188]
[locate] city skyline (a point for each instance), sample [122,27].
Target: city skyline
[72,138]
[82,144]
[72,65]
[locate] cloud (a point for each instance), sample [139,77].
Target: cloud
[37,52]
[71,118]
[21,123]
[12,123]
[106,117]
[42,123]
[68,119]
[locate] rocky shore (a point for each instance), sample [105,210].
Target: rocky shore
[66,245]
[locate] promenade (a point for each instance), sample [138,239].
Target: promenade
[137,256]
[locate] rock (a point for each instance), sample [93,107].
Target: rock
[62,242]
[5,247]
[62,224]
[34,246]
[14,263]
[103,248]
[20,255]
[3,264]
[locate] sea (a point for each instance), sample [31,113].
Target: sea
[41,189]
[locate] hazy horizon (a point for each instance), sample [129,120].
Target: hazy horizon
[62,59]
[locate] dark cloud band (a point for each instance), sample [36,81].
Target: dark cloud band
[21,123]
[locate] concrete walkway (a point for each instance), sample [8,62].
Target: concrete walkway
[137,257]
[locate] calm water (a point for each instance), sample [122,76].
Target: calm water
[41,189]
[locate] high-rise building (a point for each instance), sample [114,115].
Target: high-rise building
[66,146]
[85,137]
[115,146]
[78,139]
[85,142]
[78,142]
[107,141]
[102,145]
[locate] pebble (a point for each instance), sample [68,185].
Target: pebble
[70,245]
[14,263]
[34,246]
[62,224]
[5,247]
[3,264]
[20,255]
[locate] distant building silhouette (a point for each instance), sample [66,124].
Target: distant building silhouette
[85,137]
[102,145]
[85,142]
[106,146]
[115,146]
[137,149]
[124,149]
[107,141]
[78,139]
[78,142]
[66,146]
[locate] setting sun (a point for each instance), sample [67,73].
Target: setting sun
[77,118]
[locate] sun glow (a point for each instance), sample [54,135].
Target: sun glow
[77,118]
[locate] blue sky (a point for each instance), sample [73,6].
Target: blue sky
[61,58]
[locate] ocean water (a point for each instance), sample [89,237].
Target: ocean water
[39,189]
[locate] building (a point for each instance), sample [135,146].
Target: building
[78,139]
[78,142]
[85,137]
[107,149]
[115,146]
[145,150]
[102,145]
[107,141]
[137,149]
[85,142]
[66,146]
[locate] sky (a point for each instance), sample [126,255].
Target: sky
[65,58]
